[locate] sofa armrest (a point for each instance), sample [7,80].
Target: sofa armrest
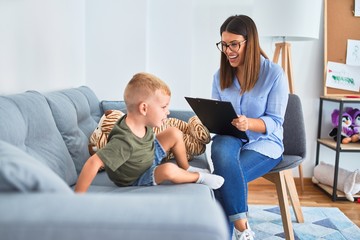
[110,216]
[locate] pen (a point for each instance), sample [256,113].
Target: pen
[352,96]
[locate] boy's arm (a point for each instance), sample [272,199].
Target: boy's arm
[88,173]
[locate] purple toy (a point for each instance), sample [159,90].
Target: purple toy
[355,114]
[346,130]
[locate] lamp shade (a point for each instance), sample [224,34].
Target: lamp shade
[293,20]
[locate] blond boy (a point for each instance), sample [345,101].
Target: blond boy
[133,154]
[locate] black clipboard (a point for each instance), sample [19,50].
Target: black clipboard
[216,116]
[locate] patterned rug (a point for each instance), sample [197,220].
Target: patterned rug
[320,223]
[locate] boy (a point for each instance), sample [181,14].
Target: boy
[133,154]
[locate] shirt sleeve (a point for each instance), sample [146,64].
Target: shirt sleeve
[215,86]
[276,104]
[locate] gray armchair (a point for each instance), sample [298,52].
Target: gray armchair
[294,154]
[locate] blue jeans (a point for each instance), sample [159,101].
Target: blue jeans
[238,167]
[147,178]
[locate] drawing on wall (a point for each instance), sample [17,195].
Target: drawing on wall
[357,8]
[353,52]
[343,76]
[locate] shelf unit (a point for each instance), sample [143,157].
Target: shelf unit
[337,146]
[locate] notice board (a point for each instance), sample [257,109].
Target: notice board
[340,24]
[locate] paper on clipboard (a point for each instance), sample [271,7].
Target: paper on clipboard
[343,76]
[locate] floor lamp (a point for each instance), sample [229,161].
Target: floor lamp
[284,49]
[296,20]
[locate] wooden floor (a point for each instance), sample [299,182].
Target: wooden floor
[263,192]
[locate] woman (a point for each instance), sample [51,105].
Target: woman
[258,91]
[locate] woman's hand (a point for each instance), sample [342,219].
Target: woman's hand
[241,123]
[244,123]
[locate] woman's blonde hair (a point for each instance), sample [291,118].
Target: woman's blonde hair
[141,87]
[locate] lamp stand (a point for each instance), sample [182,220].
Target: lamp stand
[284,49]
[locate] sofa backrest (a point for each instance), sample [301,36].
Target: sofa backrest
[120,105]
[26,121]
[76,112]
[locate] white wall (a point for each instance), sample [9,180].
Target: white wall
[115,44]
[169,45]
[41,44]
[54,44]
[182,41]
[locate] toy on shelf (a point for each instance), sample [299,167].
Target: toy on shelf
[355,114]
[346,130]
[348,182]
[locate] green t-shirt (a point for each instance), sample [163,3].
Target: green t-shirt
[126,157]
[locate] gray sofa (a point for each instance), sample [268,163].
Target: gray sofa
[43,146]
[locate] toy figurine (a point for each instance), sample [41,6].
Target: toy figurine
[346,126]
[355,114]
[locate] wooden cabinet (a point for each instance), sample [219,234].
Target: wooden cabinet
[337,146]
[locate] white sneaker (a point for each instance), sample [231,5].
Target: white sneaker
[247,234]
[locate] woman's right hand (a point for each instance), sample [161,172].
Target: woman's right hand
[241,123]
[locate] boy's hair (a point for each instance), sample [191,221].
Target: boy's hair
[141,87]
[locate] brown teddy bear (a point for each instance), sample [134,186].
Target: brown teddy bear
[99,137]
[196,135]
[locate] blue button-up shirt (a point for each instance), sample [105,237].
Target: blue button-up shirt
[267,101]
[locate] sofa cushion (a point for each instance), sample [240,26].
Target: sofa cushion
[76,112]
[21,172]
[112,217]
[102,180]
[113,105]
[27,122]
[94,104]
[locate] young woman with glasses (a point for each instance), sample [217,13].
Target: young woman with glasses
[258,91]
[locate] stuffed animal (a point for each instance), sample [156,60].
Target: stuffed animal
[348,182]
[99,137]
[196,135]
[355,114]
[346,130]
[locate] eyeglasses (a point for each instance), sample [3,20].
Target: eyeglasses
[234,45]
